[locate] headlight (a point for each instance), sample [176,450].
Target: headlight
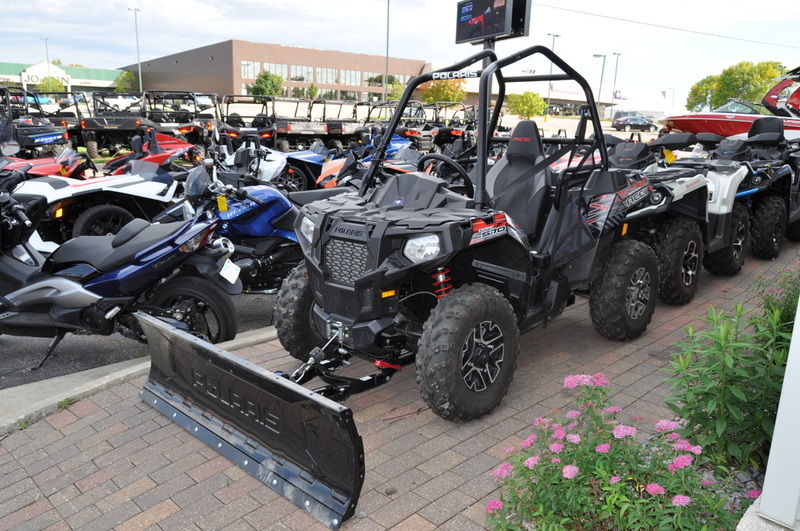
[422,248]
[756,180]
[656,197]
[307,229]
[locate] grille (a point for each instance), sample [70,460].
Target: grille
[346,260]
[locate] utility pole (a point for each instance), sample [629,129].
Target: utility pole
[550,82]
[138,59]
[386,72]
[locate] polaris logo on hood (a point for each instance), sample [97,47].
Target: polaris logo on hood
[454,75]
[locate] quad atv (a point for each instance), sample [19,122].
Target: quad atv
[753,192]
[112,123]
[410,271]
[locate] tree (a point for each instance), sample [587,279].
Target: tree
[700,94]
[377,80]
[443,90]
[744,81]
[526,104]
[127,81]
[50,84]
[313,91]
[267,84]
[395,90]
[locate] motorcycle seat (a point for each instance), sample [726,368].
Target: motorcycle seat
[106,253]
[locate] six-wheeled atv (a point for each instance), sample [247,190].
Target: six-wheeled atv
[410,270]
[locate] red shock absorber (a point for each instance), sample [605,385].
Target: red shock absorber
[442,282]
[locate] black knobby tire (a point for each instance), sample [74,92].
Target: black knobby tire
[199,303]
[293,315]
[730,259]
[92,150]
[623,298]
[769,227]
[468,353]
[679,251]
[101,220]
[283,145]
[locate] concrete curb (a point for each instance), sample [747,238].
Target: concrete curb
[28,403]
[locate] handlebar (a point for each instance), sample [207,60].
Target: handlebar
[19,212]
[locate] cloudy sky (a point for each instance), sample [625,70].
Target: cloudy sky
[665,47]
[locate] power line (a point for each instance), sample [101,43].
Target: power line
[717,35]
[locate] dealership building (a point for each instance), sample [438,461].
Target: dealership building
[74,78]
[228,67]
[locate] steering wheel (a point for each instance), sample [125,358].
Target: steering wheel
[467,186]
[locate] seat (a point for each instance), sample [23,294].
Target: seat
[516,186]
[261,120]
[234,120]
[765,138]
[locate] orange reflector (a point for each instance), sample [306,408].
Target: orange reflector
[59,213]
[389,293]
[624,229]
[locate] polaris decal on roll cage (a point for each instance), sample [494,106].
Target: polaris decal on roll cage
[454,75]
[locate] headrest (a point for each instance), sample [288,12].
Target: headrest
[525,141]
[768,124]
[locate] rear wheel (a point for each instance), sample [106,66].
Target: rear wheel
[769,227]
[101,220]
[679,251]
[200,304]
[730,259]
[92,149]
[293,315]
[627,128]
[283,145]
[468,353]
[623,298]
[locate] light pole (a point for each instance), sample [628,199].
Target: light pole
[600,88]
[614,88]
[136,26]
[549,82]
[46,54]
[386,67]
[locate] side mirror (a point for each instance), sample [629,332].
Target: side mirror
[9,149]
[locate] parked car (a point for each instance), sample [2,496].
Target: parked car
[639,123]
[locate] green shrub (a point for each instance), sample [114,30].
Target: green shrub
[588,471]
[728,381]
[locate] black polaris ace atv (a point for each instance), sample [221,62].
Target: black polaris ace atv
[409,270]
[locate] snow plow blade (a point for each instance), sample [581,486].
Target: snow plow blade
[300,444]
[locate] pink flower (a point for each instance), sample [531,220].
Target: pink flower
[682,461]
[510,450]
[541,422]
[493,505]
[681,445]
[681,501]
[696,450]
[599,380]
[555,460]
[615,479]
[603,448]
[612,410]
[667,425]
[503,471]
[571,381]
[574,380]
[529,441]
[574,438]
[570,471]
[573,414]
[531,461]
[654,489]
[556,448]
[559,433]
[707,482]
[674,435]
[624,431]
[753,494]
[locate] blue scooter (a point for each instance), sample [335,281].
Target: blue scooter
[94,284]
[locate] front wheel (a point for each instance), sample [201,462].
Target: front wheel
[627,129]
[293,178]
[200,304]
[623,298]
[468,353]
[293,315]
[101,220]
[769,227]
[730,259]
[679,251]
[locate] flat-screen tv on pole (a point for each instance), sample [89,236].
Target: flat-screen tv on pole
[481,20]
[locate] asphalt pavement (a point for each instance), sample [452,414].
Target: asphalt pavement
[78,353]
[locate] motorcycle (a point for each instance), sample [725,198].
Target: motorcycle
[95,284]
[257,219]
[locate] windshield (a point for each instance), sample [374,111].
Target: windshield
[741,107]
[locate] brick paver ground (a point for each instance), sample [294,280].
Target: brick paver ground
[112,462]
